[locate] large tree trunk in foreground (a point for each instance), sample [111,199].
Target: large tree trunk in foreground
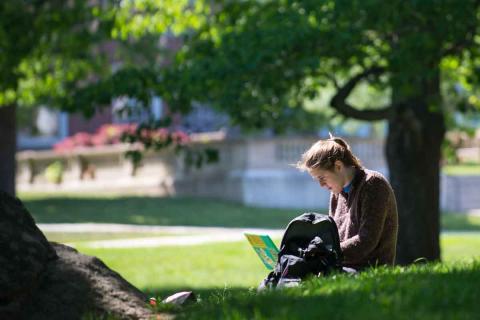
[8,147]
[413,152]
[42,280]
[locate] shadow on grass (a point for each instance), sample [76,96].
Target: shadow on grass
[412,293]
[155,211]
[457,221]
[180,211]
[203,296]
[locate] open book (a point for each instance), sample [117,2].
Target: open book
[265,248]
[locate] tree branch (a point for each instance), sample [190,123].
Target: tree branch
[339,103]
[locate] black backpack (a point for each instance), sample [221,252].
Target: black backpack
[310,246]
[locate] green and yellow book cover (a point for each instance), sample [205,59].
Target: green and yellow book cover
[265,248]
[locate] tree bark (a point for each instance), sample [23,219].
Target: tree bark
[8,148]
[413,152]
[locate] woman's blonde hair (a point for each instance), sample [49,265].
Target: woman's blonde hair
[324,153]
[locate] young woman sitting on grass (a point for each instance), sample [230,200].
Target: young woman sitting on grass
[362,203]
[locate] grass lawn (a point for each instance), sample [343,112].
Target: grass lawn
[452,221]
[460,246]
[225,275]
[151,211]
[417,292]
[163,270]
[71,208]
[462,169]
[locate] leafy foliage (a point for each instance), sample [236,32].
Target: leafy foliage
[54,172]
[261,59]
[48,47]
[263,62]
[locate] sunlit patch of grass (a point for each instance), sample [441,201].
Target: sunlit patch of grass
[224,265]
[220,265]
[460,246]
[462,169]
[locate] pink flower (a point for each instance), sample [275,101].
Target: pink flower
[112,134]
[99,140]
[65,145]
[82,139]
[146,134]
[180,137]
[160,135]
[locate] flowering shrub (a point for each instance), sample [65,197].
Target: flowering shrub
[109,134]
[147,135]
[105,135]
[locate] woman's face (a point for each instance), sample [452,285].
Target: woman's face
[332,180]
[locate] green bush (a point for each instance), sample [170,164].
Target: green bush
[54,172]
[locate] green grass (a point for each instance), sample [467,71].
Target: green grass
[418,292]
[169,269]
[151,211]
[460,246]
[225,275]
[455,221]
[69,208]
[233,265]
[462,169]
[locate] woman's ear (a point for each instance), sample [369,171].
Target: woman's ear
[338,165]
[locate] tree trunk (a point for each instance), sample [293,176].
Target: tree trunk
[8,148]
[413,150]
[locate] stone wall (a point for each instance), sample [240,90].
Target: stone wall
[102,169]
[460,193]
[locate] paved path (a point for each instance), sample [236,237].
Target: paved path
[174,235]
[177,235]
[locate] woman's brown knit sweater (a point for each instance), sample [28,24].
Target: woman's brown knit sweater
[367,221]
